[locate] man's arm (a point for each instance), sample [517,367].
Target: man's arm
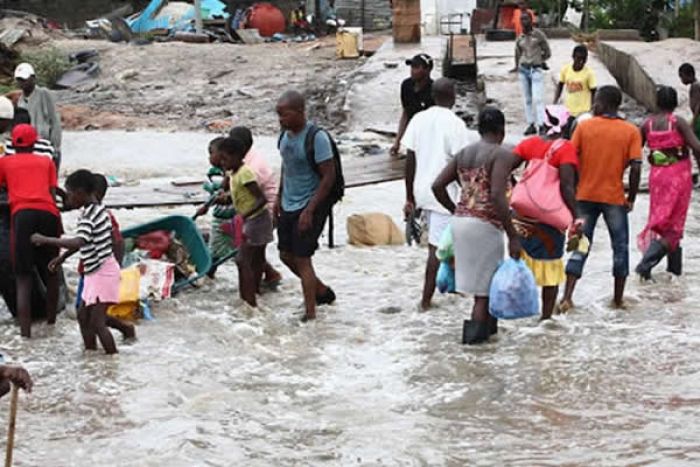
[403,123]
[517,56]
[56,135]
[410,173]
[74,243]
[546,51]
[634,179]
[326,171]
[695,101]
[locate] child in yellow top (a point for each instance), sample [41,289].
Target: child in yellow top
[580,83]
[250,203]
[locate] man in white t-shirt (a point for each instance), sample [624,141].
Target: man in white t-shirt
[432,139]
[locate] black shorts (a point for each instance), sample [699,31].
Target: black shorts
[25,256]
[302,245]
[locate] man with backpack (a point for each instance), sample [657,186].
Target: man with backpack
[311,183]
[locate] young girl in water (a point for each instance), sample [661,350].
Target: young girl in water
[102,273]
[250,203]
[670,184]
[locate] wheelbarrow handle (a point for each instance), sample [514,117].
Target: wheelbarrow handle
[210,202]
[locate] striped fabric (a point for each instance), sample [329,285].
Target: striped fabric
[42,147]
[95,227]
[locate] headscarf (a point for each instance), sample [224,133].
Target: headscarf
[556,117]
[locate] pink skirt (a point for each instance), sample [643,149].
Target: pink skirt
[102,286]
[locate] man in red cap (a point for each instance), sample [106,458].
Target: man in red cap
[31,182]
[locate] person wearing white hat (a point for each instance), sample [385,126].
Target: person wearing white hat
[7,114]
[41,106]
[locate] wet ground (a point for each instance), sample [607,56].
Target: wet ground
[373,381]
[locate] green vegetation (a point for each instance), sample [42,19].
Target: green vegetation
[49,63]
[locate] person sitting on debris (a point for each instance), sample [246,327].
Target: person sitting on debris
[31,183]
[266,179]
[41,106]
[580,83]
[102,273]
[299,21]
[416,94]
[432,139]
[250,203]
[15,375]
[330,18]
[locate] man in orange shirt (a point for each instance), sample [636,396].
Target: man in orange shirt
[517,24]
[606,145]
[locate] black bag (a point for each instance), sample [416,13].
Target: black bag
[338,191]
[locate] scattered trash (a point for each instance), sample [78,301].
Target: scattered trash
[249,36]
[191,37]
[78,75]
[127,75]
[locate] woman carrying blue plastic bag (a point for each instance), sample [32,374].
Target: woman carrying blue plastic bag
[480,218]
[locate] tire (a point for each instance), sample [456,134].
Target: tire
[500,35]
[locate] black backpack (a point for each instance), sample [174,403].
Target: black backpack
[338,190]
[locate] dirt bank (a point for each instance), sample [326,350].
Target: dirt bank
[183,86]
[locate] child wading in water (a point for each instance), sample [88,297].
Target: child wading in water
[102,274]
[250,203]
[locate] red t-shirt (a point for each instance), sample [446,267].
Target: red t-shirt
[29,178]
[537,148]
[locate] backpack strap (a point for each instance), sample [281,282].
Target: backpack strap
[556,145]
[310,146]
[279,140]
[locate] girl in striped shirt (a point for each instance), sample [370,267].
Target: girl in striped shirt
[102,274]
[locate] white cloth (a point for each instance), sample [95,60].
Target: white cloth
[437,223]
[435,135]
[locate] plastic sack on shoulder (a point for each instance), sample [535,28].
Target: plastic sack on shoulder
[445,250]
[513,293]
[446,278]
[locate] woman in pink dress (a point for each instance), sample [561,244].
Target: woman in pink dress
[668,138]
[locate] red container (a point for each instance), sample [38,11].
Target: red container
[267,19]
[155,243]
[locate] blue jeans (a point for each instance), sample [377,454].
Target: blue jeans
[532,82]
[618,227]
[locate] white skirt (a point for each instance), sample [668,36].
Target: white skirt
[479,248]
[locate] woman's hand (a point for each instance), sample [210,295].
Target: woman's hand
[38,239]
[56,263]
[515,248]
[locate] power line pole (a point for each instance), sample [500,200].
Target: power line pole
[198,24]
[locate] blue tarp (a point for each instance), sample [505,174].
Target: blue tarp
[151,19]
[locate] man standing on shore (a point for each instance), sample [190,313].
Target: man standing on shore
[432,139]
[304,198]
[531,52]
[687,75]
[416,94]
[41,106]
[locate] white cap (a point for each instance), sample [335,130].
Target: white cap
[24,71]
[7,110]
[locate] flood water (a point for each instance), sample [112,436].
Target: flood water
[372,381]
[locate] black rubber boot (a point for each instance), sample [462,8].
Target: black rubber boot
[674,262]
[475,332]
[654,254]
[493,325]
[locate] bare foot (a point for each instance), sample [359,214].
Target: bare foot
[423,307]
[129,333]
[563,307]
[308,317]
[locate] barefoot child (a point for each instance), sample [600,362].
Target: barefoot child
[127,330]
[250,203]
[102,274]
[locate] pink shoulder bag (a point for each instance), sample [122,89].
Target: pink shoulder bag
[538,196]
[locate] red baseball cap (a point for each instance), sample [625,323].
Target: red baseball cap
[24,136]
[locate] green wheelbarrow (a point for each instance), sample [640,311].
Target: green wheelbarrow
[184,230]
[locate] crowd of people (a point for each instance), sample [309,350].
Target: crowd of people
[463,180]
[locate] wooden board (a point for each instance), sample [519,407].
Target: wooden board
[463,53]
[358,171]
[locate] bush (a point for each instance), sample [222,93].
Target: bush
[49,63]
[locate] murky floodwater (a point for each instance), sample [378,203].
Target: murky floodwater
[373,381]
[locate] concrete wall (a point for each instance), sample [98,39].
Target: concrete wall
[630,75]
[377,13]
[72,12]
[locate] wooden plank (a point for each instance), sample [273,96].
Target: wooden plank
[463,52]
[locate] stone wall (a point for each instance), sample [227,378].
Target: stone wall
[631,76]
[377,13]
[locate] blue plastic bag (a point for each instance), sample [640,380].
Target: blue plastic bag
[446,278]
[513,293]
